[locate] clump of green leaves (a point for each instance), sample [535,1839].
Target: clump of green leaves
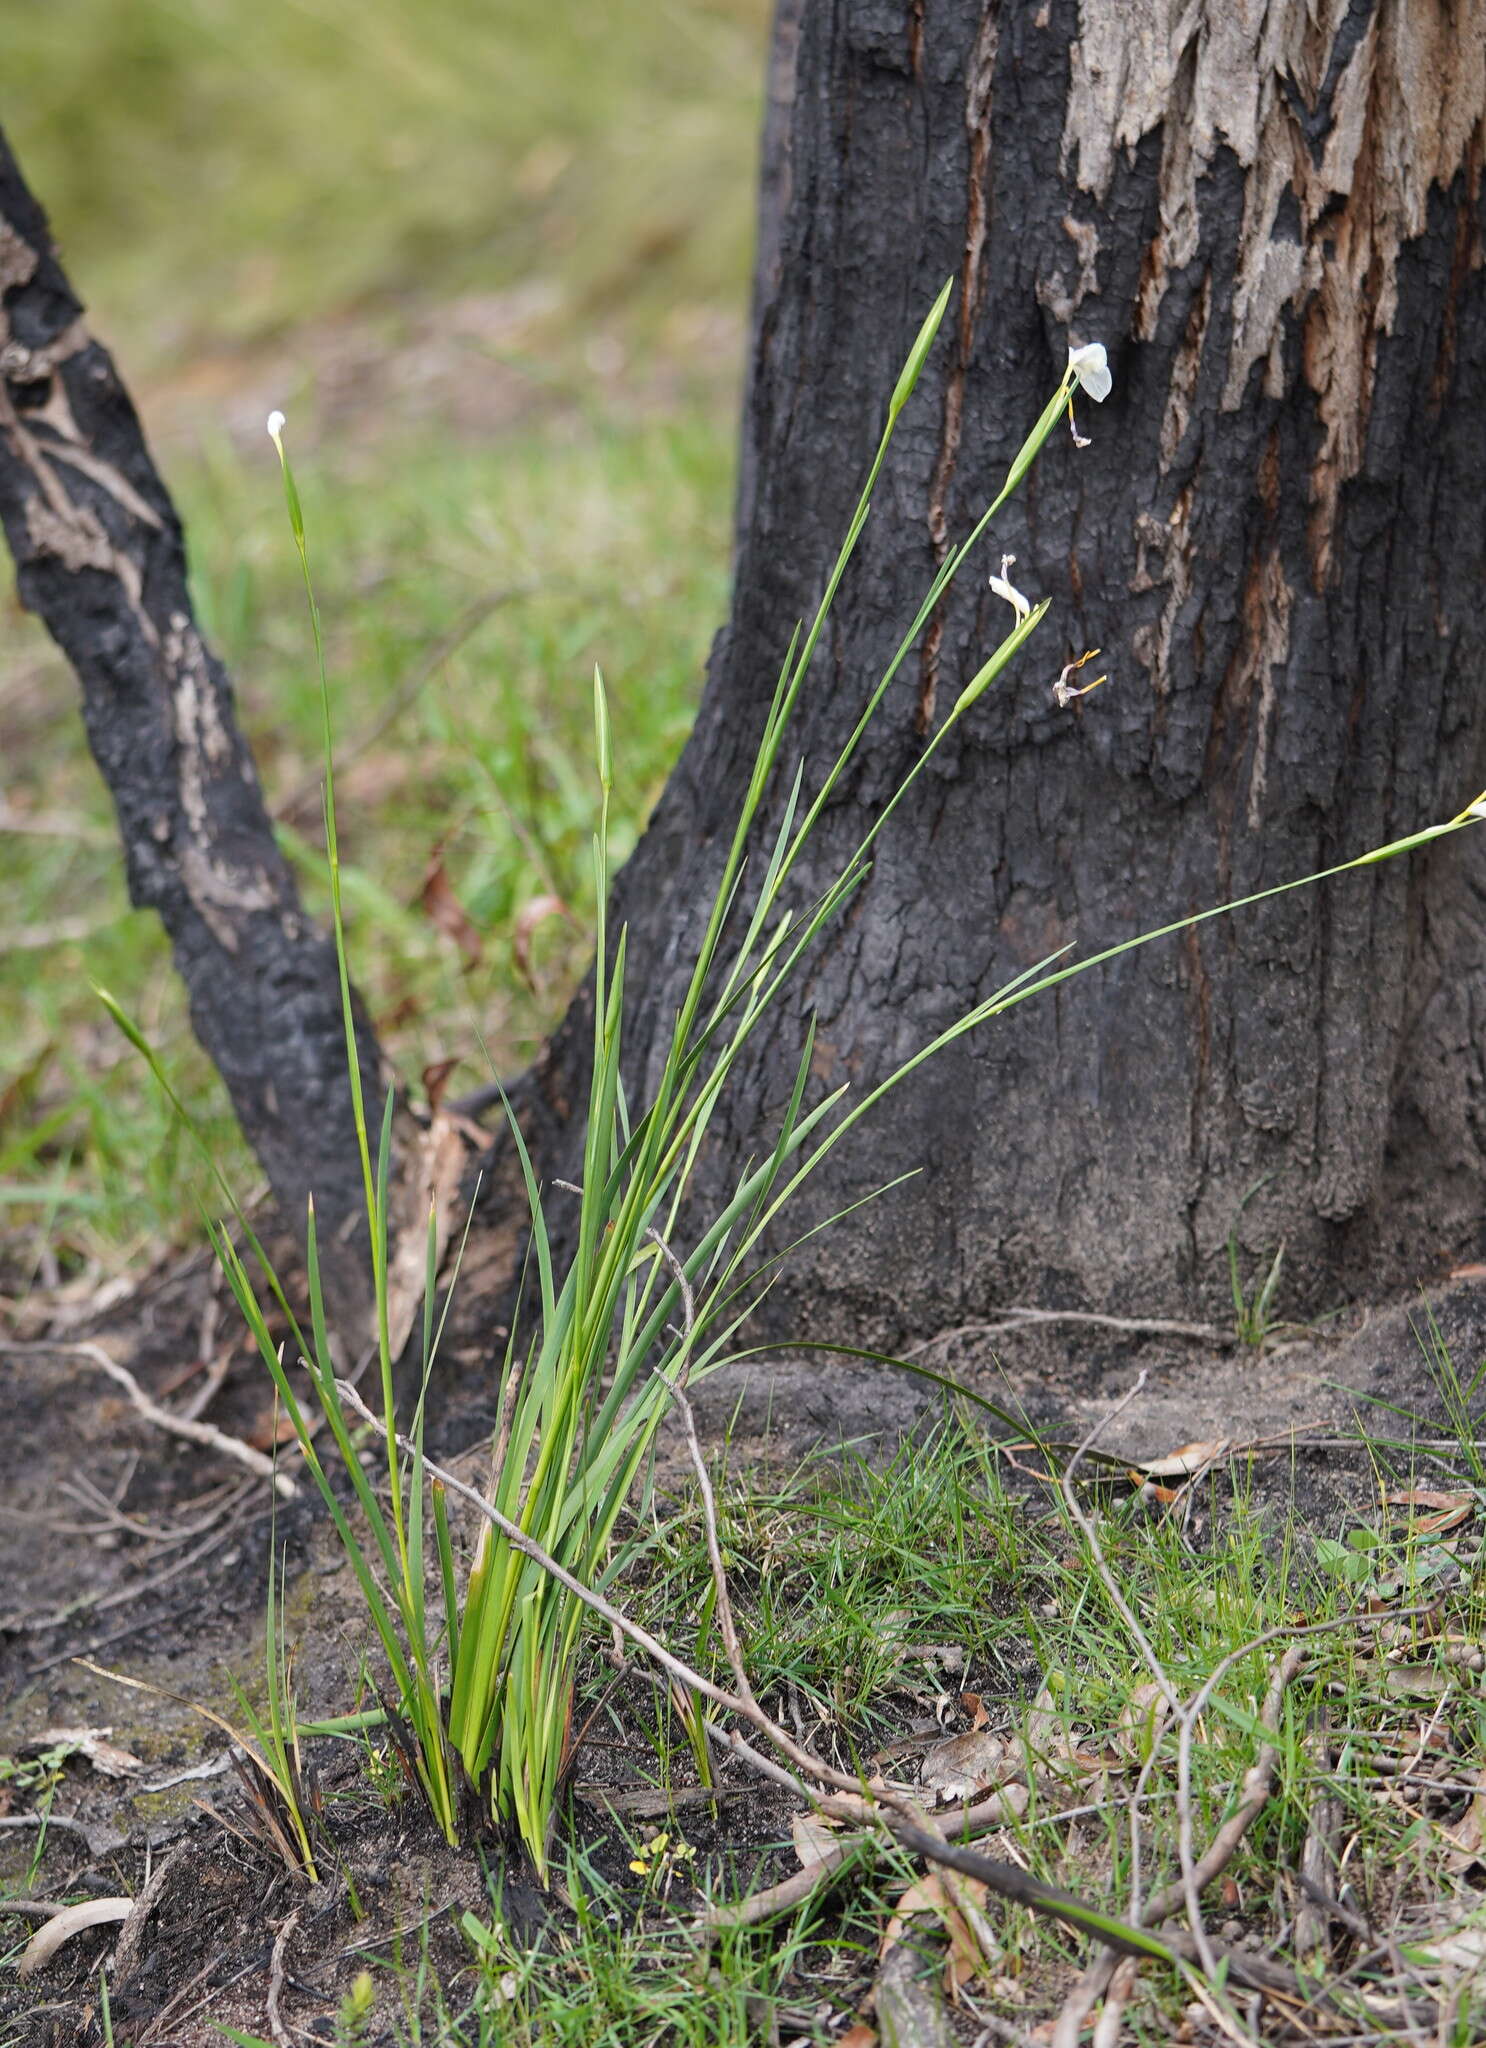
[482,1662]
[485,1677]
[353,2016]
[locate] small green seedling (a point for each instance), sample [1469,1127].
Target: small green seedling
[1253,1316]
[353,2016]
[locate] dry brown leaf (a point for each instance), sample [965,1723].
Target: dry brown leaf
[1141,1721]
[924,1895]
[943,1898]
[92,1743]
[859,2035]
[1449,1509]
[273,1427]
[972,1704]
[431,1178]
[536,910]
[1418,1681]
[1469,1835]
[948,1656]
[1044,1730]
[964,1765]
[436,1080]
[1465,1949]
[815,1838]
[1152,1489]
[443,909]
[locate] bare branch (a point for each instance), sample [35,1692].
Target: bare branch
[205,1433]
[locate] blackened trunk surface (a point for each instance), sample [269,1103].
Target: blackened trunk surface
[101,560]
[1277,539]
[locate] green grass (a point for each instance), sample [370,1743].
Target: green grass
[853,1576]
[217,170]
[236,190]
[946,1547]
[843,1571]
[610,533]
[590,1990]
[489,1688]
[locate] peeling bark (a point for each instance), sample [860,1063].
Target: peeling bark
[1271,215]
[101,560]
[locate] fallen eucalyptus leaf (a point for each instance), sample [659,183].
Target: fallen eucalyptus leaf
[1182,1462]
[815,1838]
[45,1942]
[963,1765]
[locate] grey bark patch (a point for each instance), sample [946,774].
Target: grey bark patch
[101,559]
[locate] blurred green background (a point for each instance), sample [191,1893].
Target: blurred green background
[492,260]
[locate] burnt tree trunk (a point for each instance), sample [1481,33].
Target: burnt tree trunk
[100,558]
[1278,540]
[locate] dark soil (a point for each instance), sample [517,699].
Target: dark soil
[181,1615]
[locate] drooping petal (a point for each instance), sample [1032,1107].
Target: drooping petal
[1012,595]
[1090,365]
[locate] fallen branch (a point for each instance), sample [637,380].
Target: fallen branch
[999,1811]
[126,1955]
[790,1891]
[910,2011]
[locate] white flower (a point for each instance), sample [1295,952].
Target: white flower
[1090,365]
[1065,692]
[275,425]
[1012,595]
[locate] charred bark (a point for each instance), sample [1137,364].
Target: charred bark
[1278,540]
[101,560]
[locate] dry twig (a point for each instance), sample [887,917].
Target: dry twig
[1090,1535]
[204,1433]
[1318,1857]
[1116,1998]
[1014,1318]
[1257,1785]
[1137,1634]
[276,2025]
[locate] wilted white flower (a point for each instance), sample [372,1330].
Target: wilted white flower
[1064,692]
[1009,591]
[275,425]
[1090,365]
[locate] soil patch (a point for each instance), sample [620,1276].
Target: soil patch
[124,1546]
